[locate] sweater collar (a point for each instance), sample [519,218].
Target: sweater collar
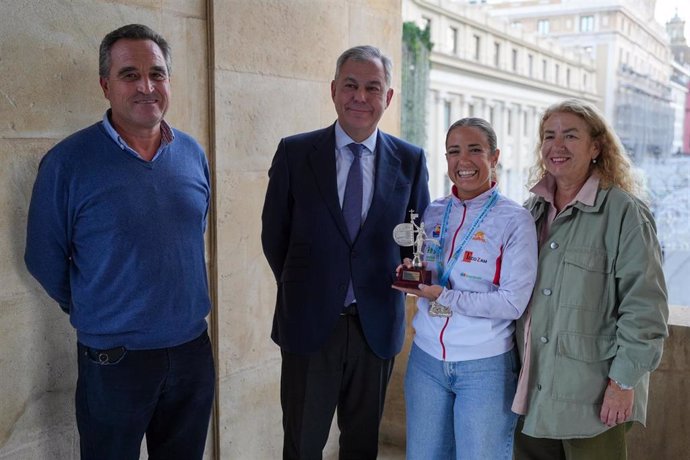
[167,135]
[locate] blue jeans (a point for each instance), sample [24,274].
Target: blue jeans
[460,409]
[165,394]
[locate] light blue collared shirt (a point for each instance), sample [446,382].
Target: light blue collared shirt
[167,137]
[343,161]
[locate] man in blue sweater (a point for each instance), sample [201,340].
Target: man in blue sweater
[116,236]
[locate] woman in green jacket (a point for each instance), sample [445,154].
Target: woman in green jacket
[596,322]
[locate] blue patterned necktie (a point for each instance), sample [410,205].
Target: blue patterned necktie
[352,203]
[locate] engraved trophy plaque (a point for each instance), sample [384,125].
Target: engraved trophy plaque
[411,234]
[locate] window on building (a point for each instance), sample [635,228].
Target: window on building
[567,77]
[497,54]
[491,115]
[525,120]
[584,80]
[477,46]
[586,23]
[447,113]
[544,68]
[557,73]
[452,40]
[530,65]
[515,60]
[470,110]
[509,122]
[543,26]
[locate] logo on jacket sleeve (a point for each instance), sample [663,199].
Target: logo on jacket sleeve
[437,231]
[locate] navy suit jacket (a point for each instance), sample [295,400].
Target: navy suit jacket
[308,247]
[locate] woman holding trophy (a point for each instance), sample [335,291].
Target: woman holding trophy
[481,250]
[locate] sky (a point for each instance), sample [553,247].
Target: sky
[666,9]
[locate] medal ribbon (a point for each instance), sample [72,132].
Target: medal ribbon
[445,275]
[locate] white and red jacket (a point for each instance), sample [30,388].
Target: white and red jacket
[489,286]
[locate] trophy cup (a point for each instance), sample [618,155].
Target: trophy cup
[411,234]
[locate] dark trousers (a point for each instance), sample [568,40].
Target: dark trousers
[609,445]
[345,374]
[165,394]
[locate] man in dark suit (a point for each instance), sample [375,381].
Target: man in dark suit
[334,196]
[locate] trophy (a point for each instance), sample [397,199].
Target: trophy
[411,234]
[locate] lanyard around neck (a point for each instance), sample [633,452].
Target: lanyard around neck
[444,275]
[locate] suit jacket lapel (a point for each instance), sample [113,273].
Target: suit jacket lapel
[322,160]
[387,166]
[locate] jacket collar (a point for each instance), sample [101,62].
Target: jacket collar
[342,139]
[322,159]
[589,199]
[476,202]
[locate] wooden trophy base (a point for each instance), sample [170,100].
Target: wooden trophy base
[411,278]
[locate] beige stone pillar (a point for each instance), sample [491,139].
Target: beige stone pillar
[272,65]
[244,75]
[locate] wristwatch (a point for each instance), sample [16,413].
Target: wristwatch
[620,385]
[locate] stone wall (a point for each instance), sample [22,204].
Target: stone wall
[49,52]
[245,74]
[272,78]
[666,433]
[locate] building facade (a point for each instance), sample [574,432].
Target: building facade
[632,55]
[680,84]
[680,101]
[482,67]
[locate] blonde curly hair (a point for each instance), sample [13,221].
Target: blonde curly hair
[613,164]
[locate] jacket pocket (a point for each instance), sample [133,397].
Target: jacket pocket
[297,255]
[586,275]
[582,367]
[296,263]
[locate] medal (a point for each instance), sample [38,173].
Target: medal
[438,310]
[443,271]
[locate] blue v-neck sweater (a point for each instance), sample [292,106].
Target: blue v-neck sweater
[118,242]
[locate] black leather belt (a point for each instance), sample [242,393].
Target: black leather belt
[350,310]
[110,356]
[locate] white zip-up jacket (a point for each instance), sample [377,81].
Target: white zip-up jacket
[489,286]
